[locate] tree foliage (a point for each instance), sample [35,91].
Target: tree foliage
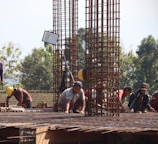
[37,69]
[81,47]
[148,61]
[127,69]
[141,67]
[10,56]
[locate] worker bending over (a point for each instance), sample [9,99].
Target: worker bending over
[123,93]
[73,98]
[22,96]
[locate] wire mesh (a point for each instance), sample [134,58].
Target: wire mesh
[65,23]
[102,55]
[102,19]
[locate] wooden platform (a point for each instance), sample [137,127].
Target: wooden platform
[47,127]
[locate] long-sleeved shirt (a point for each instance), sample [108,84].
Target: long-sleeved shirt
[133,104]
[1,71]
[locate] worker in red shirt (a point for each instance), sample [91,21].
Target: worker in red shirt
[21,95]
[122,94]
[154,100]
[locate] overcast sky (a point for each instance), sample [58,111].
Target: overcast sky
[23,22]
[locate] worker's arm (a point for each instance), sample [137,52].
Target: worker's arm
[131,101]
[2,79]
[149,107]
[83,107]
[1,76]
[7,101]
[67,106]
[121,106]
[83,97]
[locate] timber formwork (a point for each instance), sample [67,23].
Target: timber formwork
[47,127]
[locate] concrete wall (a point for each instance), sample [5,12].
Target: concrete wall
[37,98]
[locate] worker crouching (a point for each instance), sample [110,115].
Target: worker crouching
[73,98]
[139,102]
[21,95]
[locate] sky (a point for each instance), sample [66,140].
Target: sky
[23,22]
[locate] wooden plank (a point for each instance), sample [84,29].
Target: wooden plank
[9,141]
[41,133]
[73,129]
[17,137]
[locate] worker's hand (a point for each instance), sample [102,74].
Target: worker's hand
[82,112]
[131,110]
[18,104]
[152,109]
[66,111]
[23,105]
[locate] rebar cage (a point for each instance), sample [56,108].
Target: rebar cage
[65,23]
[102,26]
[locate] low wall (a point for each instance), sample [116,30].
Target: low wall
[38,97]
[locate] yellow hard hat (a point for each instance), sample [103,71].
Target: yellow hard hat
[80,74]
[9,90]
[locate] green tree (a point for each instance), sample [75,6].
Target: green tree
[147,64]
[127,69]
[81,47]
[37,69]
[10,56]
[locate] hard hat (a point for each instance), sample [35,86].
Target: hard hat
[80,74]
[9,91]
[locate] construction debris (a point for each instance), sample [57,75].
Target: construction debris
[12,109]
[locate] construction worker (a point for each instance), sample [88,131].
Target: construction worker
[1,72]
[122,94]
[140,100]
[22,96]
[154,100]
[73,98]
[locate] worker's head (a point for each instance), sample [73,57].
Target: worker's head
[77,86]
[9,91]
[144,87]
[127,91]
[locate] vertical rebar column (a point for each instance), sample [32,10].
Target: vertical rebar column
[113,37]
[65,24]
[74,40]
[57,57]
[102,55]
